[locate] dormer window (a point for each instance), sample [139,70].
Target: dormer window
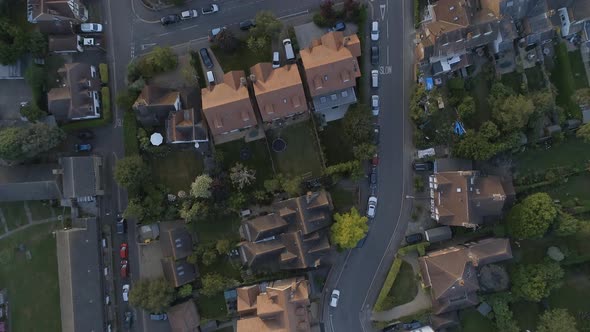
[326,78]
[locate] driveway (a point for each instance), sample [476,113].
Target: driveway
[12,93]
[308,32]
[150,266]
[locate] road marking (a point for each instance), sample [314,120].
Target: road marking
[382,7]
[164,34]
[192,26]
[385,70]
[118,123]
[294,14]
[387,28]
[343,266]
[388,54]
[132,51]
[144,46]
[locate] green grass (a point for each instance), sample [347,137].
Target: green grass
[259,158]
[301,155]
[343,199]
[335,146]
[241,59]
[480,92]
[217,227]
[570,153]
[103,69]
[383,300]
[578,70]
[573,193]
[574,295]
[212,307]
[563,79]
[14,213]
[130,134]
[177,170]
[42,210]
[33,290]
[535,79]
[472,320]
[526,314]
[405,287]
[513,80]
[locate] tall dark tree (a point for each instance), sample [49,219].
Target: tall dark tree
[21,143]
[13,42]
[532,217]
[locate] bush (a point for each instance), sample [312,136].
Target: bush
[322,22]
[103,69]
[107,113]
[381,302]
[130,134]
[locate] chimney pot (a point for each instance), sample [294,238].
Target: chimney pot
[252,78]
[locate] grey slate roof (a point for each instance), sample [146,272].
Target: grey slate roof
[179,272]
[28,183]
[175,240]
[81,295]
[81,176]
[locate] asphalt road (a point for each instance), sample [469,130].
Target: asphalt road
[361,276]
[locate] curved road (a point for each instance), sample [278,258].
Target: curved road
[363,271]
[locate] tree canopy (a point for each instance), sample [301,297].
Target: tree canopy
[13,42]
[131,172]
[512,113]
[242,176]
[152,295]
[584,132]
[32,112]
[349,228]
[534,282]
[532,217]
[267,27]
[214,283]
[557,320]
[21,143]
[201,187]
[358,124]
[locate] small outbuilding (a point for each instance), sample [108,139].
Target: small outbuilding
[438,234]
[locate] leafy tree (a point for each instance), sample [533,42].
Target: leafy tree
[292,186]
[258,45]
[557,320]
[13,42]
[358,124]
[466,108]
[544,102]
[226,40]
[272,185]
[32,112]
[584,132]
[502,313]
[351,9]
[131,172]
[201,187]
[351,169]
[498,94]
[37,44]
[532,217]
[534,282]
[349,228]
[21,143]
[417,113]
[126,99]
[327,10]
[237,200]
[193,211]
[567,224]
[214,283]
[222,246]
[242,176]
[209,257]
[512,114]
[36,77]
[163,58]
[152,295]
[364,151]
[185,290]
[267,28]
[581,96]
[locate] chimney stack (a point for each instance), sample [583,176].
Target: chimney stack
[243,81]
[252,78]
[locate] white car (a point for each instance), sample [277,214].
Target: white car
[210,10]
[187,14]
[375,104]
[372,208]
[276,61]
[374,79]
[375,31]
[91,27]
[334,298]
[126,292]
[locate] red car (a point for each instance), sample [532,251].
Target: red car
[124,268]
[375,160]
[123,250]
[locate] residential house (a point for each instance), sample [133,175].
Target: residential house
[279,94]
[228,109]
[81,179]
[184,317]
[177,244]
[452,275]
[571,17]
[65,44]
[292,236]
[80,286]
[280,305]
[56,16]
[29,183]
[331,69]
[77,97]
[187,125]
[154,104]
[467,198]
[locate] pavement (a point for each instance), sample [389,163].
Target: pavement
[361,273]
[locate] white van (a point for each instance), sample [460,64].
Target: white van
[375,31]
[289,54]
[210,77]
[374,78]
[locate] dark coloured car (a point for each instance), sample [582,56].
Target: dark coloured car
[83,147]
[247,24]
[376,130]
[413,239]
[412,325]
[425,166]
[374,55]
[340,26]
[170,19]
[85,134]
[128,320]
[393,327]
[158,317]
[373,178]
[206,58]
[121,225]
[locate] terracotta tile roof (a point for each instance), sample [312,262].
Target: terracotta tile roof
[451,272]
[263,226]
[184,317]
[227,105]
[71,100]
[282,306]
[331,63]
[279,92]
[152,95]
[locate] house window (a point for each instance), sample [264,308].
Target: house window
[323,100]
[333,97]
[344,94]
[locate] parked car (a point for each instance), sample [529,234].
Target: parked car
[412,325]
[210,10]
[107,300]
[214,32]
[375,160]
[83,147]
[121,225]
[123,250]
[188,14]
[373,178]
[375,104]
[126,293]
[375,31]
[276,60]
[85,134]
[128,320]
[206,58]
[124,268]
[158,317]
[414,238]
[91,27]
[393,327]
[170,19]
[289,53]
[374,79]
[339,26]
[372,207]
[334,298]
[374,55]
[376,130]
[87,41]
[247,24]
[425,166]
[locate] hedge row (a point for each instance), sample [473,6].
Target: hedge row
[391,275]
[103,68]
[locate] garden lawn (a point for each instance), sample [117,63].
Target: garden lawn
[535,79]
[563,79]
[258,160]
[241,59]
[574,295]
[335,146]
[217,227]
[178,169]
[472,320]
[42,210]
[480,92]
[301,155]
[574,193]
[569,153]
[33,290]
[526,314]
[213,307]
[342,199]
[14,214]
[404,288]
[580,79]
[512,80]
